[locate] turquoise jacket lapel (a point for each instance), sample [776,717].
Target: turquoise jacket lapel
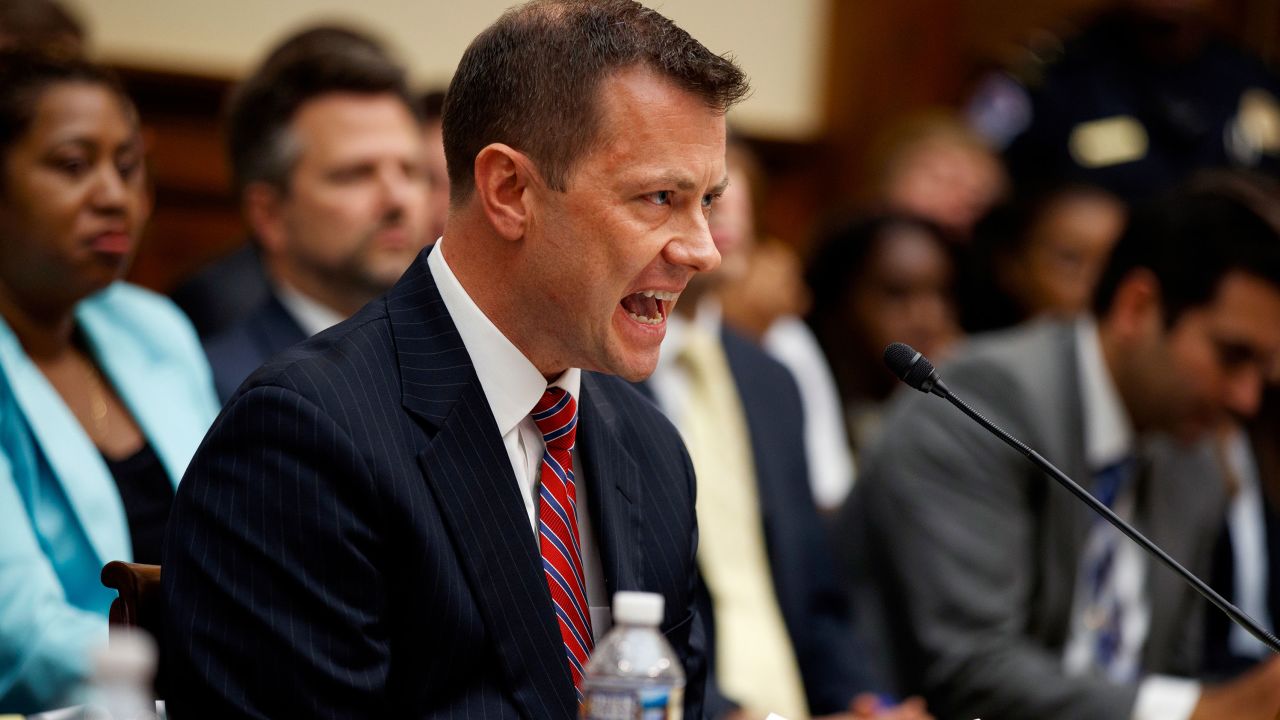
[71,455]
[161,376]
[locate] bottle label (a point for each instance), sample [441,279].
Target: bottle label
[657,703]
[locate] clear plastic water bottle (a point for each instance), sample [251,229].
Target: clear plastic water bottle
[120,688]
[633,673]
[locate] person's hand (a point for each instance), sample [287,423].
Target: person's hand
[1252,696]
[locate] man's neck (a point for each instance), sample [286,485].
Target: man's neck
[334,296]
[1110,423]
[485,268]
[311,314]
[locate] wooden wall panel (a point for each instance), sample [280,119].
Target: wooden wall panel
[196,219]
[886,59]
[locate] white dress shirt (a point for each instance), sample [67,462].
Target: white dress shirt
[826,441]
[311,316]
[1109,437]
[512,386]
[1246,521]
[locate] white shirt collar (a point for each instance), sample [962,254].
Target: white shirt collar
[511,383]
[1108,432]
[311,315]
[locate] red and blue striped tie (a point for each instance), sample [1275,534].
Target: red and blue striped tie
[556,416]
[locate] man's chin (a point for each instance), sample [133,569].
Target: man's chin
[1191,432]
[639,375]
[380,277]
[635,366]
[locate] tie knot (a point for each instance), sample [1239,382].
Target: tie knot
[556,416]
[699,352]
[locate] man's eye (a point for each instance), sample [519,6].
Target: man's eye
[72,166]
[662,197]
[709,199]
[352,174]
[1234,354]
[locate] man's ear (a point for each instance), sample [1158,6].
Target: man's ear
[503,175]
[264,210]
[1136,306]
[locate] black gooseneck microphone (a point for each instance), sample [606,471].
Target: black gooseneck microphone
[915,370]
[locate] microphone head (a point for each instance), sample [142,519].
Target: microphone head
[911,367]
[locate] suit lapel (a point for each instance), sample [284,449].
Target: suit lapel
[615,482]
[1059,420]
[467,469]
[1171,473]
[273,329]
[77,465]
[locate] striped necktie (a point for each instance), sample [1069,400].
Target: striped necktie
[556,416]
[1105,610]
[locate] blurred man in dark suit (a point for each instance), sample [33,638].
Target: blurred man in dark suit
[382,523]
[326,153]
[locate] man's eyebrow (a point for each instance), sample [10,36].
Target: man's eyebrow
[682,182]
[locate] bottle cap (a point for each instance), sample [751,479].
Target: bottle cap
[637,608]
[130,657]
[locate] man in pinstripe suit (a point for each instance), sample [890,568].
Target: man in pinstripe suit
[355,537]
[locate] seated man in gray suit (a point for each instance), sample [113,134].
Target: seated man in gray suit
[422,511]
[1007,597]
[326,153]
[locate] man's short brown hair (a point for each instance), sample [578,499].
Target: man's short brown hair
[312,63]
[530,80]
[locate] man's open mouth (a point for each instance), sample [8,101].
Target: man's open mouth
[649,307]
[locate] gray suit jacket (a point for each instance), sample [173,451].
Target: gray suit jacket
[974,552]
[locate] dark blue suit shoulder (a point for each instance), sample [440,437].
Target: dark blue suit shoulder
[358,351]
[630,408]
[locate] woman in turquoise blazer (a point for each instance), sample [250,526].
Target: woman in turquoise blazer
[104,391]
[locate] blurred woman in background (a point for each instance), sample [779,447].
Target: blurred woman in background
[1039,255]
[875,281]
[104,391]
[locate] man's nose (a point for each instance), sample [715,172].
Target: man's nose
[695,248]
[398,187]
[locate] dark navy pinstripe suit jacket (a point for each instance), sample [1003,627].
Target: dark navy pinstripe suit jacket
[236,352]
[349,541]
